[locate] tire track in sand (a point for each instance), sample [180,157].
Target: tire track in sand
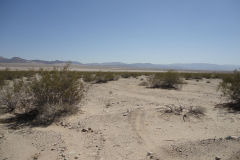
[137,120]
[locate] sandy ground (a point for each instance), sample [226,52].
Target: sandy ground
[121,120]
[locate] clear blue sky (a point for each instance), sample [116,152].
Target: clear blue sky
[155,31]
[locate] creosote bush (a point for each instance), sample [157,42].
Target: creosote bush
[230,87]
[166,80]
[105,77]
[88,77]
[100,77]
[11,75]
[17,96]
[57,87]
[48,95]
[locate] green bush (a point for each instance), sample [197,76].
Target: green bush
[230,87]
[166,80]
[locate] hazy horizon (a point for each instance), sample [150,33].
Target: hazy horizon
[133,31]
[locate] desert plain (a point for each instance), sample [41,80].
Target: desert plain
[122,120]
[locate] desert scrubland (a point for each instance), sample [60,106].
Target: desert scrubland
[126,119]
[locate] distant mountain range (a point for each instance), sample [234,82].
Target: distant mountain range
[176,66]
[20,60]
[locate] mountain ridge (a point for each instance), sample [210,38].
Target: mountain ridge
[175,66]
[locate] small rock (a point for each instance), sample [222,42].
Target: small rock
[72,152]
[125,114]
[35,156]
[231,137]
[62,155]
[217,158]
[84,130]
[75,157]
[1,136]
[63,123]
[149,153]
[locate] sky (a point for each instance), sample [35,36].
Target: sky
[130,31]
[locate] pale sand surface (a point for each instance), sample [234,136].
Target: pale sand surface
[126,123]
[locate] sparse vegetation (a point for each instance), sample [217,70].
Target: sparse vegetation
[16,96]
[48,95]
[230,87]
[166,80]
[57,87]
[11,75]
[177,110]
[196,110]
[130,74]
[100,77]
[144,83]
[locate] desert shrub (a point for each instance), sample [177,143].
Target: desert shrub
[47,113]
[56,93]
[48,95]
[104,77]
[100,77]
[177,110]
[88,77]
[1,81]
[144,83]
[196,110]
[165,80]
[125,75]
[11,75]
[201,75]
[230,87]
[57,87]
[17,96]
[131,74]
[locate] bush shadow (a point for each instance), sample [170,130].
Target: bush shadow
[230,107]
[18,121]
